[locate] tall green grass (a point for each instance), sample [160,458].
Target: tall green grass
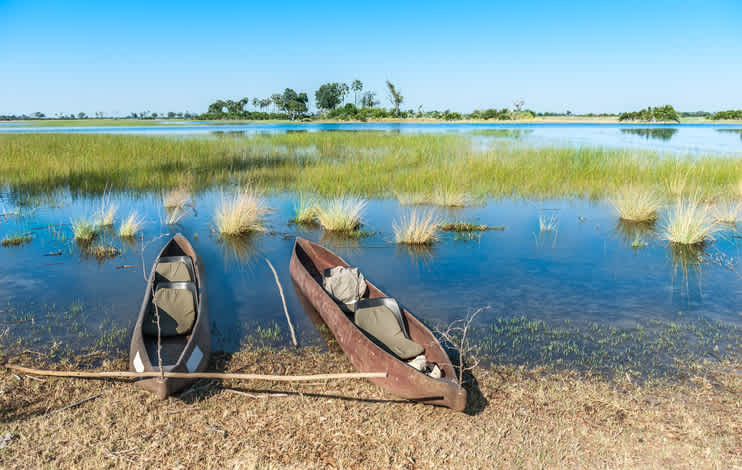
[371,164]
[341,214]
[240,214]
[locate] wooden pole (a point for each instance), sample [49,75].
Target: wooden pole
[196,375]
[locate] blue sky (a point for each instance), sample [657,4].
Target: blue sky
[160,56]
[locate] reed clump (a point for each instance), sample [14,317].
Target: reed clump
[305,210]
[131,225]
[635,204]
[689,222]
[548,224]
[83,230]
[16,240]
[417,228]
[341,214]
[106,214]
[241,214]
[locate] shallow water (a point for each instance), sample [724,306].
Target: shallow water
[584,276]
[672,139]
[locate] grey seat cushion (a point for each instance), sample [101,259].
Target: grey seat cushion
[175,271]
[381,324]
[177,310]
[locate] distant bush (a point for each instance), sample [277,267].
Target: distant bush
[729,114]
[662,114]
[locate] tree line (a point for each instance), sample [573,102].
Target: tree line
[664,113]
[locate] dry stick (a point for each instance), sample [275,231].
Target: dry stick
[197,375]
[283,299]
[93,397]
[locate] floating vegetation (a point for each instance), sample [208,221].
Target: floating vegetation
[83,230]
[548,224]
[240,215]
[131,225]
[417,228]
[468,227]
[176,199]
[102,252]
[637,204]
[341,214]
[689,223]
[16,239]
[305,210]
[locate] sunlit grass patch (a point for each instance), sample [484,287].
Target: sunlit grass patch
[305,210]
[413,199]
[689,222]
[241,214]
[176,198]
[16,239]
[417,228]
[131,225]
[446,197]
[637,204]
[727,212]
[341,214]
[106,214]
[83,230]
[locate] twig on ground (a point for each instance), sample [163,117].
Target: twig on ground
[92,397]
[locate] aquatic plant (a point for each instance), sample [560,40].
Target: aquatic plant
[341,214]
[548,224]
[16,239]
[413,199]
[173,216]
[446,197]
[417,228]
[467,227]
[176,198]
[131,225]
[106,214]
[241,214]
[83,230]
[689,222]
[102,251]
[635,204]
[305,210]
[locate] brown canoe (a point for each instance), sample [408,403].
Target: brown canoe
[185,344]
[308,261]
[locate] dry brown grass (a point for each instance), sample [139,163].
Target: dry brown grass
[523,418]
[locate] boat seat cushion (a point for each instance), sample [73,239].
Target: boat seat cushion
[381,324]
[174,271]
[177,310]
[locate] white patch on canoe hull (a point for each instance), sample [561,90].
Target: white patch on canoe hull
[138,366]
[195,359]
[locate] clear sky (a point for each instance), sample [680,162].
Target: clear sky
[599,56]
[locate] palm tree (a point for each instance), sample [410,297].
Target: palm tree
[394,96]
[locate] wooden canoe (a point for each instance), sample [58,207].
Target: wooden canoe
[187,352]
[308,261]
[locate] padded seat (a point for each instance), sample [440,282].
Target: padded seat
[379,320]
[176,304]
[174,269]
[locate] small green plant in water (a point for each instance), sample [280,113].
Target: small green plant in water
[305,210]
[417,228]
[16,240]
[342,214]
[83,230]
[467,227]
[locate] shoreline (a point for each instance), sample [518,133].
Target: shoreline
[123,122]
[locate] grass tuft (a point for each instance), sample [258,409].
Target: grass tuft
[412,199]
[131,225]
[305,210]
[240,215]
[342,214]
[445,197]
[16,240]
[106,215]
[417,228]
[637,204]
[83,230]
[548,224]
[689,223]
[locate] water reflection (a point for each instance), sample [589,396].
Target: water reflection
[731,131]
[659,133]
[635,234]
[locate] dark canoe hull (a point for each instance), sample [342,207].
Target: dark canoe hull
[191,352]
[307,261]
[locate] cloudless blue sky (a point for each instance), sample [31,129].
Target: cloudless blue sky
[599,56]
